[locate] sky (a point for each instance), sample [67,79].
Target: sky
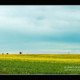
[40,29]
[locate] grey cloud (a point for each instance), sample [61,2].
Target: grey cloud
[44,20]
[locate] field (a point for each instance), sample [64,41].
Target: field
[40,64]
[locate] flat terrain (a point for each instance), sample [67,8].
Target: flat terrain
[40,64]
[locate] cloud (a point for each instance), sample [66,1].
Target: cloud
[35,19]
[42,26]
[40,47]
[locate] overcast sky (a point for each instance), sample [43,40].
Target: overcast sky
[39,29]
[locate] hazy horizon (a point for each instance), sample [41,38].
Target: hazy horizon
[34,29]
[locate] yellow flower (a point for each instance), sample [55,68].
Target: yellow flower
[4,69]
[71,58]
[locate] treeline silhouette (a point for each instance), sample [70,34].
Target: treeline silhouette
[8,53]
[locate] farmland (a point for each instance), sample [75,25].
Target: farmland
[39,63]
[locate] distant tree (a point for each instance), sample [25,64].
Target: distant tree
[6,53]
[2,53]
[20,52]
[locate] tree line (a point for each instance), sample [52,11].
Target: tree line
[8,53]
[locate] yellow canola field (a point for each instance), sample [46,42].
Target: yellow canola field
[72,58]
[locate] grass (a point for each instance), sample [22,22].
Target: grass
[40,64]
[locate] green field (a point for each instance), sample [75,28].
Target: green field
[40,64]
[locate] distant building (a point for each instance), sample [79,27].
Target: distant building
[68,52]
